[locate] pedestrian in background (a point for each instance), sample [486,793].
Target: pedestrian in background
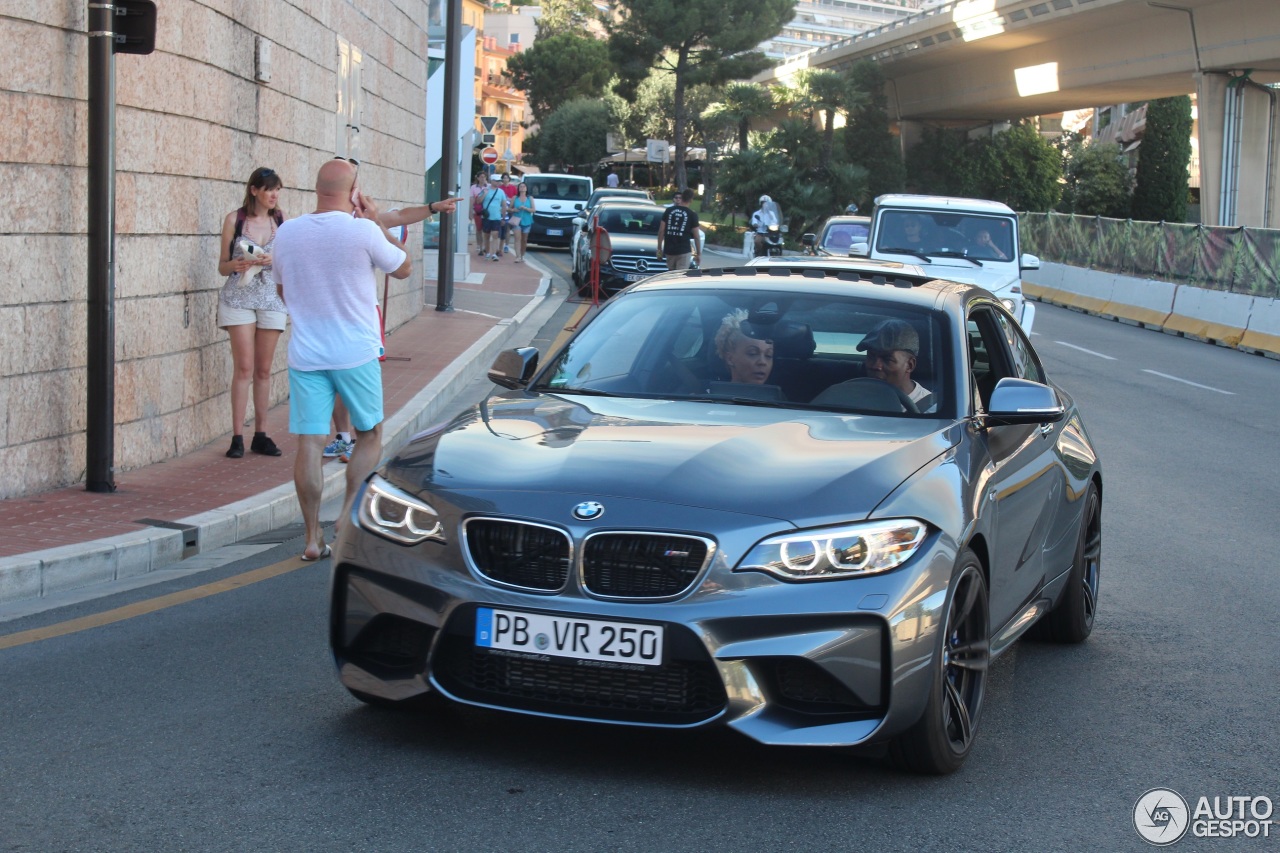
[508,220]
[522,219]
[325,264]
[478,187]
[249,306]
[494,204]
[678,233]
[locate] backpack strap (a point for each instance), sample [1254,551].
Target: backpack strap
[240,218]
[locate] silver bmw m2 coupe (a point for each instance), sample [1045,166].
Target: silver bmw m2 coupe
[807,502]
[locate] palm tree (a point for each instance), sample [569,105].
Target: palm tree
[742,102]
[829,93]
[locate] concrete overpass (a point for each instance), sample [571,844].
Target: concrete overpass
[994,60]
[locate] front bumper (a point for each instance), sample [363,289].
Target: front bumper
[552,231]
[819,663]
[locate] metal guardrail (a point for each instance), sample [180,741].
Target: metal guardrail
[1235,260]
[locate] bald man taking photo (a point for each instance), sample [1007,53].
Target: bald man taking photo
[324,263]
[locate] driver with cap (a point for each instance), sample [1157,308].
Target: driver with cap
[892,348]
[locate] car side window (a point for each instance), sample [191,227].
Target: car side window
[1025,364]
[988,359]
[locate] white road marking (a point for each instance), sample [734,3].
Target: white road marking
[1089,351]
[1188,382]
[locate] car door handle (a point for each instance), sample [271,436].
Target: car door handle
[1046,429]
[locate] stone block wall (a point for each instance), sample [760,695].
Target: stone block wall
[192,122]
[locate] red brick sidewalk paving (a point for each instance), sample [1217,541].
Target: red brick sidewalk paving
[206,479]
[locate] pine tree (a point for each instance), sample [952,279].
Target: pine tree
[867,140]
[1160,188]
[699,41]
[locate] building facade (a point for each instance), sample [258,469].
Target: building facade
[230,87]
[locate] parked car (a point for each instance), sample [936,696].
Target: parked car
[557,199]
[632,252]
[837,235]
[638,533]
[606,195]
[617,192]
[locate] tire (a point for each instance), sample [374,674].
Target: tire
[940,740]
[1071,619]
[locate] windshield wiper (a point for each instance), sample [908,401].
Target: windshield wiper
[953,254]
[589,392]
[741,401]
[898,250]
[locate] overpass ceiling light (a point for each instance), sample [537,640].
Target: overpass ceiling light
[1036,79]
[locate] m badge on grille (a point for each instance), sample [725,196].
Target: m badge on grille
[588,510]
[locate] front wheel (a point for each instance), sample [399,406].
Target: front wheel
[941,739]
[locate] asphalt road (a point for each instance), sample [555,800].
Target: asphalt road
[216,723]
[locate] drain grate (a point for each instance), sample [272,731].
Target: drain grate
[190,533]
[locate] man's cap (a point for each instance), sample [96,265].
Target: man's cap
[891,335]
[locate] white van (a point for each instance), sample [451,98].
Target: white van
[557,199]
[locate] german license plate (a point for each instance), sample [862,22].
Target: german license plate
[635,277]
[555,232]
[569,637]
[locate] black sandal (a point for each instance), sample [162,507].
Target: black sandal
[237,447]
[262,444]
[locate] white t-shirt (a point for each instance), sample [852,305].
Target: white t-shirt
[325,264]
[611,180]
[918,393]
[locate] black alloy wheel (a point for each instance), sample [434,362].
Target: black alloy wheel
[1071,620]
[940,741]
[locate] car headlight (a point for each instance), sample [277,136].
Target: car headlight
[852,550]
[397,515]
[1010,304]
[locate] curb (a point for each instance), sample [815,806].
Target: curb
[69,567]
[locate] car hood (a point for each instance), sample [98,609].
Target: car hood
[993,276]
[804,467]
[630,244]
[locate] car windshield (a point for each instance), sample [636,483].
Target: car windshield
[630,220]
[839,236]
[946,234]
[567,189]
[762,348]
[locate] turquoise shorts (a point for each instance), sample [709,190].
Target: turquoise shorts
[311,394]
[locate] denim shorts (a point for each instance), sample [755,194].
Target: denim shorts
[311,394]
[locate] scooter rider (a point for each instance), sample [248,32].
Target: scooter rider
[761,220]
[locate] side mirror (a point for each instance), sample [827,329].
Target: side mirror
[1029,262]
[859,250]
[1021,401]
[514,368]
[809,240]
[579,221]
